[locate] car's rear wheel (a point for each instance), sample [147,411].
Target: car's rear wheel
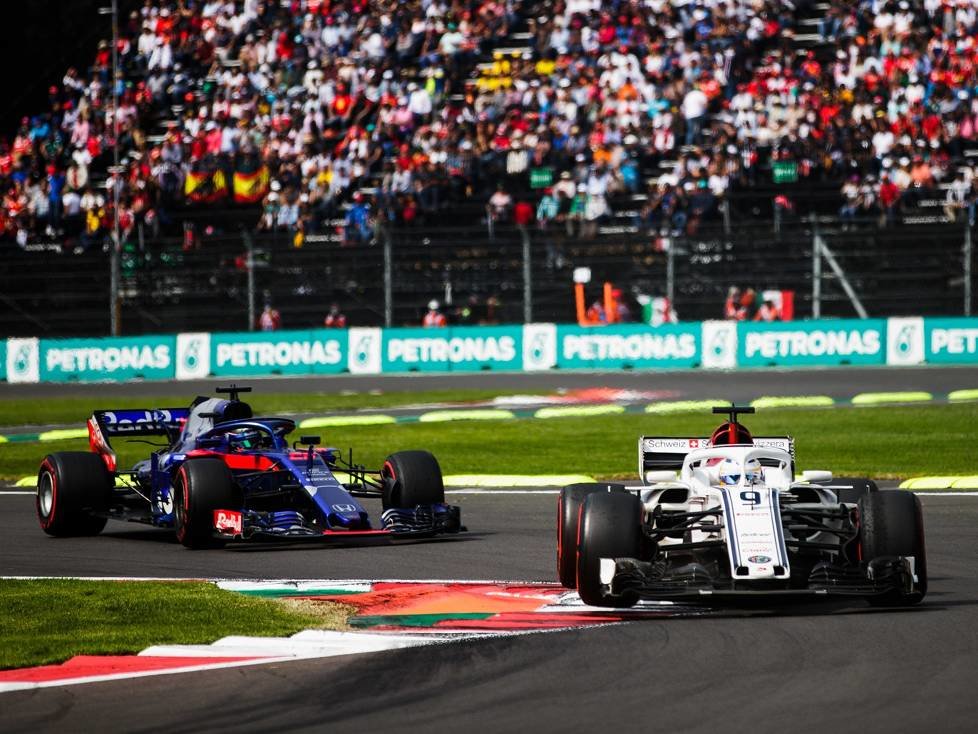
[200,487]
[411,478]
[71,487]
[892,524]
[610,527]
[568,513]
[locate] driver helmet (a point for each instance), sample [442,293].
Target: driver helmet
[245,438]
[731,472]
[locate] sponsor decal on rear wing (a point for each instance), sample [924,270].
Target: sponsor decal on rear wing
[668,452]
[141,421]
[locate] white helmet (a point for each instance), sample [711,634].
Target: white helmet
[432,305]
[754,471]
[731,472]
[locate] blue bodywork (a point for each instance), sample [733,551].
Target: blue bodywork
[285,491]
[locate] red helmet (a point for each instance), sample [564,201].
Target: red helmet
[730,433]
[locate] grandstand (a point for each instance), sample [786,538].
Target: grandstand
[714,140]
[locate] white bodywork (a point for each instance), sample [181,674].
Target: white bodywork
[750,523]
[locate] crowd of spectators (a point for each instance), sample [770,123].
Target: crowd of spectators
[376,113]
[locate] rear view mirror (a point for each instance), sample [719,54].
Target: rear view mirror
[816,475]
[665,475]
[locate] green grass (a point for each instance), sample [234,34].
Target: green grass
[22,412]
[48,621]
[882,442]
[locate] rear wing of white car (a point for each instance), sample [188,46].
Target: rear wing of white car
[666,453]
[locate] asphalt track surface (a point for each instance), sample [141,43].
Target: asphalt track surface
[807,669]
[837,382]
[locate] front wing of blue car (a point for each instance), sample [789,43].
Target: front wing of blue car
[419,522]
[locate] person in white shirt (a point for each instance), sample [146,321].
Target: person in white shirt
[694,111]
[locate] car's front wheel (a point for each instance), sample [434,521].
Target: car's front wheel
[610,527]
[568,513]
[200,487]
[892,524]
[411,478]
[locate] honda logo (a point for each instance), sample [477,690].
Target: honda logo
[345,508]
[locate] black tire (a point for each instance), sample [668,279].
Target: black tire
[610,528]
[71,486]
[411,478]
[568,514]
[858,487]
[892,524]
[200,487]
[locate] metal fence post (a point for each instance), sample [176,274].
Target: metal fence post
[816,272]
[250,266]
[967,267]
[527,277]
[388,279]
[670,271]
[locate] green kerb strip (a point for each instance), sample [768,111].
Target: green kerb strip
[685,406]
[578,411]
[22,437]
[794,401]
[63,434]
[281,593]
[440,416]
[878,398]
[328,421]
[414,620]
[963,395]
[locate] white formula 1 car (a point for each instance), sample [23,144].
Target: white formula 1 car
[724,519]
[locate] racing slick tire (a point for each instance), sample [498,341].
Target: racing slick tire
[568,513]
[891,524]
[71,486]
[411,478]
[200,487]
[610,527]
[858,487]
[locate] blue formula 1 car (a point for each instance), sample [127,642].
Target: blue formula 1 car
[224,475]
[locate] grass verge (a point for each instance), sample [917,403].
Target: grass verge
[882,442]
[21,412]
[50,620]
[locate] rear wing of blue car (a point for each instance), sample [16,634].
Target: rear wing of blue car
[140,421]
[106,424]
[666,453]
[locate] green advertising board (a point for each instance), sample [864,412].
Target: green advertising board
[541,177]
[951,341]
[784,172]
[453,349]
[801,343]
[307,352]
[113,358]
[628,346]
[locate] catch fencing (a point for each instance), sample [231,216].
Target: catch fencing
[511,276]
